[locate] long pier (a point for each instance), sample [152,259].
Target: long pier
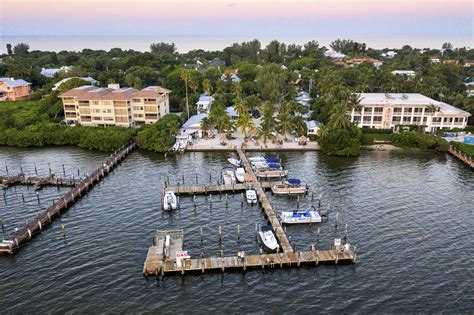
[211,189]
[37,182]
[37,224]
[265,203]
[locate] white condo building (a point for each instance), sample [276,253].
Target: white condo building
[383,110]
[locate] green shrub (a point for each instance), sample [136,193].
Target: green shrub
[160,136]
[377,131]
[467,149]
[412,139]
[342,142]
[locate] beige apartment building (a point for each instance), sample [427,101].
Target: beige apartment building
[114,106]
[383,110]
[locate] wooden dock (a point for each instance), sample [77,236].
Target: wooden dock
[461,156]
[154,265]
[37,182]
[266,206]
[214,189]
[36,224]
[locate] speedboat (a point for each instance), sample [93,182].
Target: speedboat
[268,238]
[251,195]
[170,202]
[292,186]
[261,158]
[234,162]
[301,216]
[272,170]
[228,176]
[240,174]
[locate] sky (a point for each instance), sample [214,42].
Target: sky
[239,18]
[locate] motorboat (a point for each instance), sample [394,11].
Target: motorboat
[234,162]
[301,216]
[261,158]
[240,174]
[271,171]
[170,201]
[251,195]
[228,176]
[292,186]
[268,238]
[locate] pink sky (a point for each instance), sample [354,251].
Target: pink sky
[127,17]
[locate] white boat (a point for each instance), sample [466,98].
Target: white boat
[292,186]
[228,176]
[240,174]
[251,195]
[272,170]
[234,162]
[301,216]
[170,202]
[257,159]
[268,238]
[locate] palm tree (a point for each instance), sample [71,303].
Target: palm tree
[338,117]
[323,131]
[185,76]
[285,124]
[206,125]
[237,88]
[193,84]
[431,109]
[299,124]
[207,86]
[239,106]
[265,134]
[244,123]
[226,124]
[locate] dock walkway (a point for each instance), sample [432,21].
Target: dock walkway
[36,224]
[267,207]
[214,189]
[37,182]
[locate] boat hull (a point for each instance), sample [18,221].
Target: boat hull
[300,218]
[269,246]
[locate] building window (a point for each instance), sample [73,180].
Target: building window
[377,119]
[407,110]
[406,119]
[396,118]
[378,110]
[368,109]
[356,118]
[416,119]
[397,110]
[367,119]
[418,110]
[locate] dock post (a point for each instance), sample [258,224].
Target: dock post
[23,197]
[197,178]
[220,234]
[203,266]
[241,199]
[179,204]
[194,201]
[64,171]
[312,196]
[36,170]
[297,202]
[319,230]
[238,232]
[63,230]
[337,218]
[182,177]
[38,197]
[49,169]
[355,254]
[345,233]
[21,169]
[299,260]
[6,168]
[226,197]
[202,235]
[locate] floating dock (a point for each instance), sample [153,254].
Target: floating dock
[36,224]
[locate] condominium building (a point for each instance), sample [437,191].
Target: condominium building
[114,106]
[386,111]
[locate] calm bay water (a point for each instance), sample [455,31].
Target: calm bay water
[186,43]
[409,213]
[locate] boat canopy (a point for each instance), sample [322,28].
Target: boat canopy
[274,165]
[272,160]
[294,181]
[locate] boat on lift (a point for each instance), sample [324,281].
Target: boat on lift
[240,174]
[271,171]
[228,176]
[235,162]
[170,201]
[251,195]
[291,186]
[268,238]
[301,216]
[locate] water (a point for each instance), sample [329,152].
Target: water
[186,43]
[409,213]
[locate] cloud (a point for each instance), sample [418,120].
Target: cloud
[231,4]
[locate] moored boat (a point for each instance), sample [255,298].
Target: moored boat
[268,238]
[170,201]
[228,176]
[292,186]
[301,216]
[271,171]
[234,162]
[240,174]
[251,195]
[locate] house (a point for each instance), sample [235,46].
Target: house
[387,111]
[406,73]
[389,54]
[204,103]
[231,112]
[312,127]
[192,127]
[88,79]
[334,54]
[435,60]
[12,90]
[231,74]
[51,72]
[359,60]
[303,98]
[114,106]
[217,63]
